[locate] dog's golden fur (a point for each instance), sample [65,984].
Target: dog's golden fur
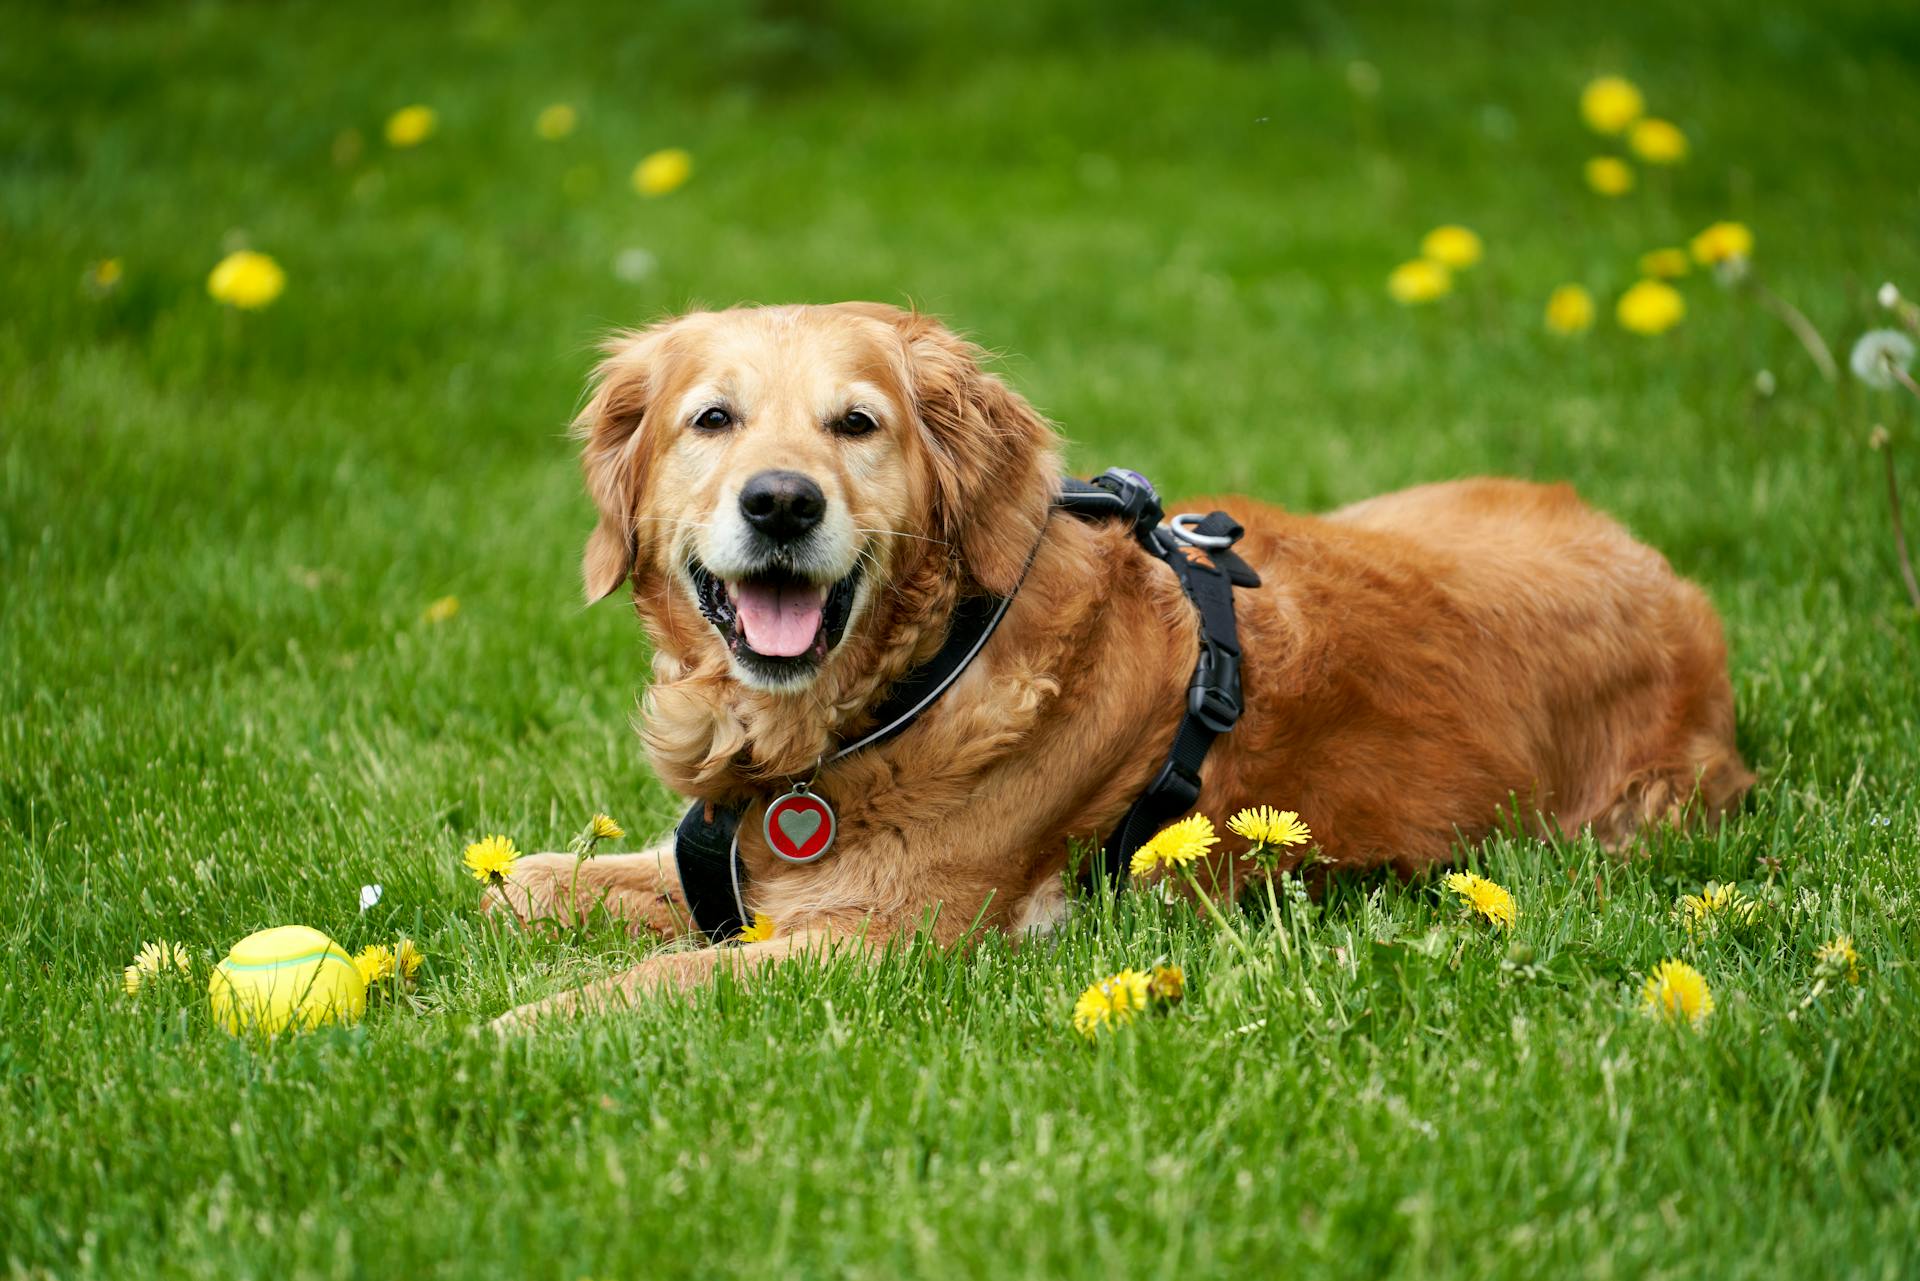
[1415,664]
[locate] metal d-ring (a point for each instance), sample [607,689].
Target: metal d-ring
[1208,542]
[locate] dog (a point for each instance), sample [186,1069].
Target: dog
[800,495]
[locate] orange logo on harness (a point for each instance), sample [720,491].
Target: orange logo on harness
[1195,555]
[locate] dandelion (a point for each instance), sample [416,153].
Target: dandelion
[1267,826]
[634,264]
[1703,912]
[441,610]
[154,960]
[1418,281]
[556,122]
[491,859]
[1665,264]
[1609,175]
[246,280]
[1176,845]
[406,959]
[1650,307]
[375,963]
[604,828]
[1569,310]
[1482,897]
[411,126]
[1658,142]
[1111,1002]
[1722,242]
[1453,247]
[1837,959]
[104,277]
[662,172]
[759,932]
[1167,984]
[1878,354]
[1889,295]
[1676,992]
[1610,103]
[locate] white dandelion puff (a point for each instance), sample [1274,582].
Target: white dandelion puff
[1878,353]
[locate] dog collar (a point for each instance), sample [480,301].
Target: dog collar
[800,824]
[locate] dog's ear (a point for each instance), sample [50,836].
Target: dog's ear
[995,461]
[612,456]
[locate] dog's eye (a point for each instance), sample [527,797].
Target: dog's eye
[856,423]
[713,419]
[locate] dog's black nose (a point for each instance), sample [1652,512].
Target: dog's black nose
[783,505]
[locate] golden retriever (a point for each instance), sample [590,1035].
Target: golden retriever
[838,476]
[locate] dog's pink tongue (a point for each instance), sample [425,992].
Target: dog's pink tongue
[780,620]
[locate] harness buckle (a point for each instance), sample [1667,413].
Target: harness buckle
[1213,698]
[1139,502]
[1177,784]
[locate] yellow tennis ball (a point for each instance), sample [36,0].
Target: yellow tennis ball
[278,977]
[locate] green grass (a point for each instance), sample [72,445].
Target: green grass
[220,708]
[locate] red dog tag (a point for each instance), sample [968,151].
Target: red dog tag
[799,826]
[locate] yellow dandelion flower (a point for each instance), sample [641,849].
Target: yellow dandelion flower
[1715,903]
[1676,992]
[491,859]
[105,276]
[1609,175]
[759,932]
[1665,264]
[411,126]
[1482,897]
[663,171]
[441,610]
[246,280]
[1610,103]
[1111,1002]
[1837,958]
[602,828]
[1453,247]
[556,122]
[1658,142]
[1650,307]
[375,963]
[1570,310]
[1265,825]
[1721,242]
[1176,845]
[1167,983]
[1418,281]
[153,960]
[406,959]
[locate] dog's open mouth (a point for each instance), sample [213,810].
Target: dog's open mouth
[775,619]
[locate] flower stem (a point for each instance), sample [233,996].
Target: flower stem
[1207,903]
[1802,328]
[1893,503]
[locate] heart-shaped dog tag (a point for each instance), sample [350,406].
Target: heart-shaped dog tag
[799,826]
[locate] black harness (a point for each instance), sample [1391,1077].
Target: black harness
[1197,548]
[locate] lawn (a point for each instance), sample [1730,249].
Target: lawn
[225,702]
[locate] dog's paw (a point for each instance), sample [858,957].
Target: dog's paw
[538,889]
[524,1018]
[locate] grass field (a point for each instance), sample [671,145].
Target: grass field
[222,706]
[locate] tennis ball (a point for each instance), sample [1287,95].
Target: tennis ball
[287,975]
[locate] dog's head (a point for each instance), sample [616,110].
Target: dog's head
[764,476]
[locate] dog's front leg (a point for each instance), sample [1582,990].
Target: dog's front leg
[680,972]
[640,890]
